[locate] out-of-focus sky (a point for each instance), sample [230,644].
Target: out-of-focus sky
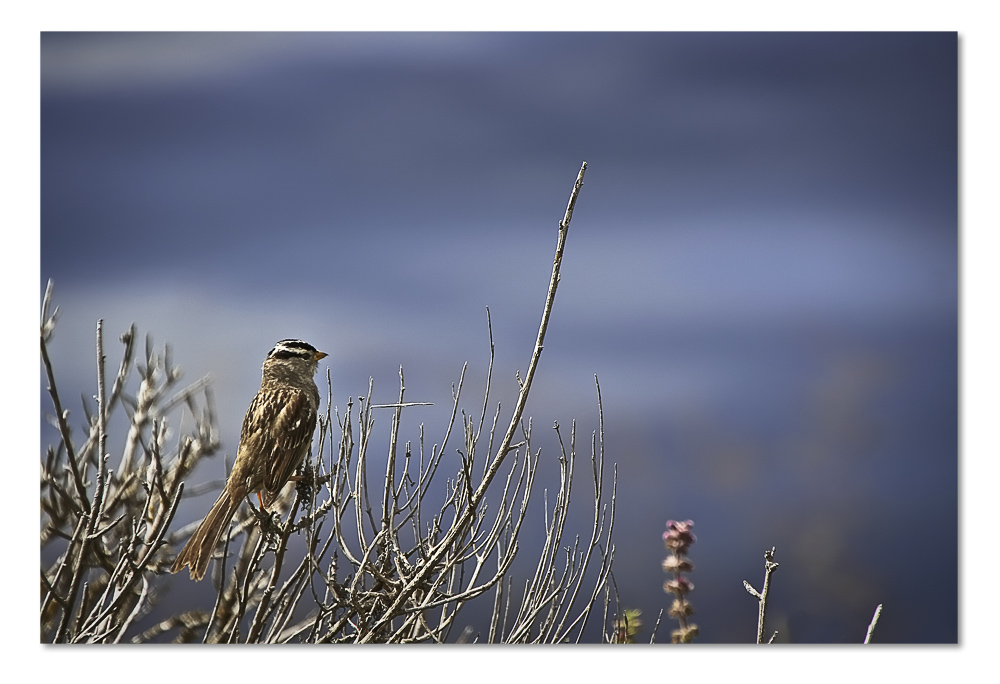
[762,269]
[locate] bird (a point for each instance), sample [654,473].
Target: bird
[275,438]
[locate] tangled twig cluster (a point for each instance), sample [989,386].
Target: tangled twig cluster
[104,529]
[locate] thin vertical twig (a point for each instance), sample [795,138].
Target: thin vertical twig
[769,567]
[102,432]
[652,637]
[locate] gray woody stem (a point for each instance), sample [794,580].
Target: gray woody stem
[871,627]
[769,567]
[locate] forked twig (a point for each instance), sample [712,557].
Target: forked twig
[769,567]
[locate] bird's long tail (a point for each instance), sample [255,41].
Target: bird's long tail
[198,551]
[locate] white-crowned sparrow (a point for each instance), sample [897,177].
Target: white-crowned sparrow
[276,435]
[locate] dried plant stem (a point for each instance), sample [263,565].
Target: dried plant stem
[105,532]
[769,567]
[102,431]
[871,627]
[652,637]
[60,414]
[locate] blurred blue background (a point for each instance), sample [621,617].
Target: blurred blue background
[762,270]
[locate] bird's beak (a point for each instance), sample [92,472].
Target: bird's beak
[319,355]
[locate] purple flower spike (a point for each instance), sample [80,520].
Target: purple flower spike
[678,536]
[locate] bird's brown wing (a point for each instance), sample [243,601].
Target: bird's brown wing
[278,433]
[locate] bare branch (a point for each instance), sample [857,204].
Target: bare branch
[769,567]
[871,627]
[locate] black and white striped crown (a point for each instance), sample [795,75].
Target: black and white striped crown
[290,349]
